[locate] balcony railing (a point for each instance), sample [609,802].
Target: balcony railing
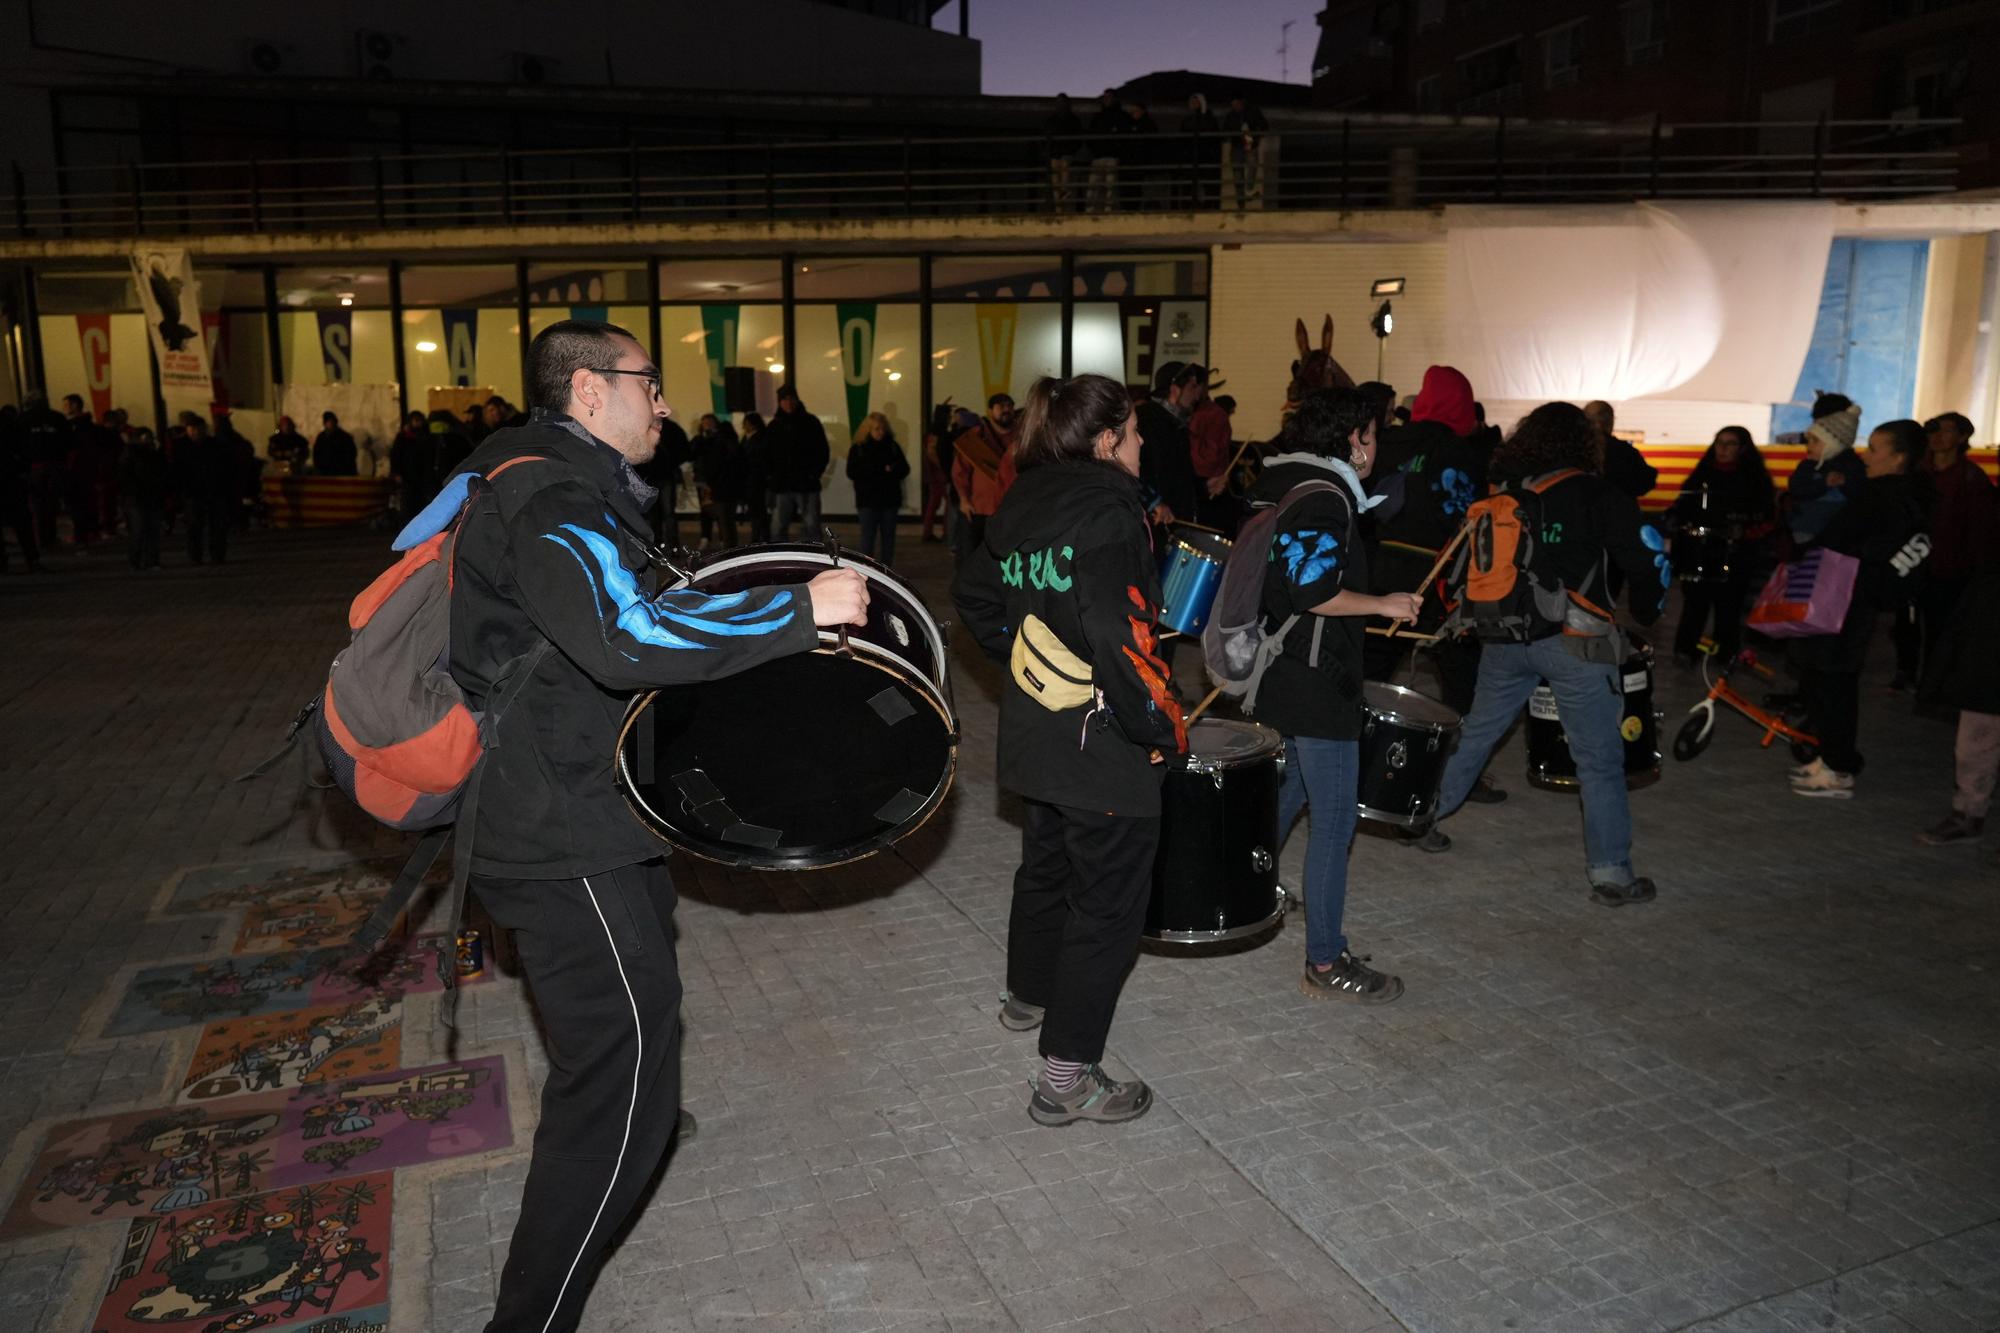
[1360,164]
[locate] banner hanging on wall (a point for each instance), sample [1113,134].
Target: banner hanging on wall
[996,324]
[215,331]
[93,335]
[172,299]
[857,355]
[336,344]
[718,334]
[461,346]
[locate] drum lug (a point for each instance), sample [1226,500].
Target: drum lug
[1260,860]
[1399,755]
[1217,776]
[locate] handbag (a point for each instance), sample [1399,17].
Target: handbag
[1806,596]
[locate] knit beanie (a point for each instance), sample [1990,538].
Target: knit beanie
[1837,432]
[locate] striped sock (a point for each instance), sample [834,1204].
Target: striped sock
[1062,1074]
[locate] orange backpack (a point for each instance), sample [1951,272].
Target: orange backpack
[1502,587]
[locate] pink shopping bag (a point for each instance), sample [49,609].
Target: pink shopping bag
[1806,596]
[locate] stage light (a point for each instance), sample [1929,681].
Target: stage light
[895,375]
[1384,322]
[1386,287]
[427,346]
[347,298]
[777,367]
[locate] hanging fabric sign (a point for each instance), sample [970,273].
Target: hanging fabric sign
[857,356]
[996,324]
[93,334]
[718,335]
[168,291]
[336,344]
[461,346]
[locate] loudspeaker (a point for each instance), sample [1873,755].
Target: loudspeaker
[739,384]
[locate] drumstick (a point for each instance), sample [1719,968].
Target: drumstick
[1202,707]
[1396,632]
[1463,531]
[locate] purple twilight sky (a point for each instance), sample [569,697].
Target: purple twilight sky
[1083,46]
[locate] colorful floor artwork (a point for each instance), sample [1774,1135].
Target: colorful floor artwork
[148,1163]
[332,918]
[192,994]
[310,1257]
[299,1046]
[228,888]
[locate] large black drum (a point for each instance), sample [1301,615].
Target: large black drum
[811,760]
[1550,764]
[1216,875]
[1404,745]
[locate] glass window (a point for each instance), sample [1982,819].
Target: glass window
[1119,276]
[447,351]
[722,280]
[697,343]
[996,278]
[459,285]
[587,282]
[856,358]
[854,279]
[979,349]
[240,288]
[1645,23]
[103,358]
[1563,55]
[340,288]
[1127,339]
[88,293]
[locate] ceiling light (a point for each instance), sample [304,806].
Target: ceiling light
[895,375]
[427,346]
[347,298]
[777,367]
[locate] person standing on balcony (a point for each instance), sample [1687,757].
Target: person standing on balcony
[1145,186]
[1065,148]
[1199,155]
[1105,128]
[796,451]
[1243,154]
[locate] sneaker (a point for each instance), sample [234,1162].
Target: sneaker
[1096,1096]
[1799,772]
[1433,840]
[1826,783]
[1954,827]
[1484,792]
[1350,978]
[1617,895]
[1018,1015]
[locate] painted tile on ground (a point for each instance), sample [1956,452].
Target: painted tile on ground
[149,1162]
[228,888]
[311,1257]
[288,1050]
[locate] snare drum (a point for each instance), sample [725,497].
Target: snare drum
[1216,874]
[1404,745]
[1190,576]
[809,760]
[1552,767]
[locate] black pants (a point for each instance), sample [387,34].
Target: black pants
[1079,904]
[16,513]
[1723,601]
[599,955]
[1832,701]
[142,533]
[718,518]
[208,515]
[1919,624]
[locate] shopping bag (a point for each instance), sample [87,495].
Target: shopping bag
[1806,596]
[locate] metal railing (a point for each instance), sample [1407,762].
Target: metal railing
[1358,164]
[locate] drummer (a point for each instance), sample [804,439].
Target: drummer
[1729,493]
[1064,589]
[1312,694]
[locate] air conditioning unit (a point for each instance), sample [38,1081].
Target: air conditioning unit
[378,55]
[266,58]
[525,67]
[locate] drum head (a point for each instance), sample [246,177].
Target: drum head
[1400,704]
[1216,742]
[1211,544]
[806,761]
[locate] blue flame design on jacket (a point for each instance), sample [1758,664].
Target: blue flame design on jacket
[665,621]
[1455,492]
[1657,544]
[1309,555]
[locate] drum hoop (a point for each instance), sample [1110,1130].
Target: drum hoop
[1183,544]
[1403,720]
[773,554]
[1196,764]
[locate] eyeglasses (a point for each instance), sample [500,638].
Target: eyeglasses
[650,377]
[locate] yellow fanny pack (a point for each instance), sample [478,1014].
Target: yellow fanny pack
[1047,672]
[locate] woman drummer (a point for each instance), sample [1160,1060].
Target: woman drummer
[1730,494]
[1312,692]
[1063,588]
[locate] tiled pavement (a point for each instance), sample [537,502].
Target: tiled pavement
[1766,1101]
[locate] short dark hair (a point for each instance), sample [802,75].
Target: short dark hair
[562,349]
[324,417]
[1227,402]
[1958,419]
[1323,423]
[994,400]
[1552,437]
[1064,418]
[1906,437]
[76,398]
[497,401]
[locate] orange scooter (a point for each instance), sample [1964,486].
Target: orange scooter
[1699,729]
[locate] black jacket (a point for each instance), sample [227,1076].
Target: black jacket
[1880,526]
[334,454]
[1069,546]
[1431,477]
[1963,674]
[562,564]
[718,464]
[795,451]
[1627,469]
[1588,525]
[877,469]
[1312,690]
[1166,462]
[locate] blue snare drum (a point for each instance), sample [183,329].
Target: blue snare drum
[1190,576]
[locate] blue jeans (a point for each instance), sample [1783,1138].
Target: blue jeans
[1591,703]
[878,530]
[802,505]
[1325,775]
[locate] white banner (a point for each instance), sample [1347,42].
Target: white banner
[167,289]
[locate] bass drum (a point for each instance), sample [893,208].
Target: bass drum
[1216,874]
[1552,767]
[807,761]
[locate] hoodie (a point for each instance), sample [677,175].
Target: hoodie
[1069,546]
[1439,465]
[1446,398]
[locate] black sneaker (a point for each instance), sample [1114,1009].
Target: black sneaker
[1096,1096]
[1484,792]
[1617,895]
[1433,840]
[1350,978]
[1954,827]
[1019,1015]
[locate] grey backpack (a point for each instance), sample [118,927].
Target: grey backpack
[1234,644]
